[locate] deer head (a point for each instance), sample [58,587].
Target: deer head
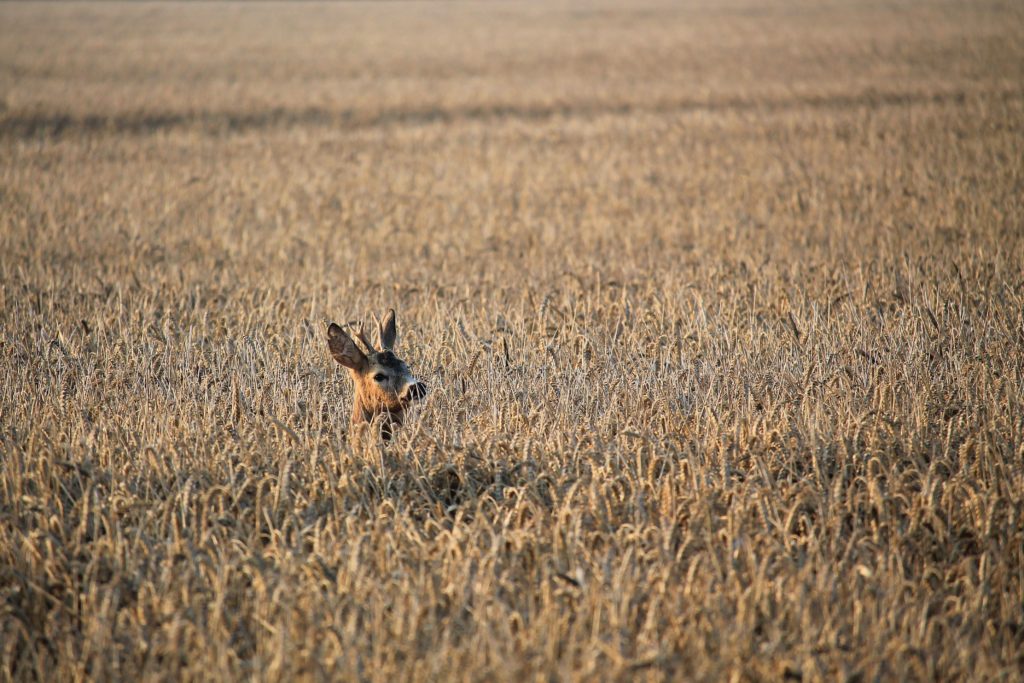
[384,386]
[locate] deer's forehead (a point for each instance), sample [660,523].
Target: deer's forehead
[387,362]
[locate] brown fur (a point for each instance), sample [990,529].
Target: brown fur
[384,386]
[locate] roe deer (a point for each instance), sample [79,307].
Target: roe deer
[384,386]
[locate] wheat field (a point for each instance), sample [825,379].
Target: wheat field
[721,306]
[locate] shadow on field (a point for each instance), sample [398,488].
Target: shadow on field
[460,485]
[48,124]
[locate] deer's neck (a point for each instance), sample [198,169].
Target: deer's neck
[363,414]
[362,411]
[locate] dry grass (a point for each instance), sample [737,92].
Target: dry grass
[722,306]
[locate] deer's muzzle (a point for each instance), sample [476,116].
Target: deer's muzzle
[413,392]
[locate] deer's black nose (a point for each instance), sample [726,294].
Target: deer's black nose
[415,391]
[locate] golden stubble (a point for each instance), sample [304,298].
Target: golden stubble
[719,307]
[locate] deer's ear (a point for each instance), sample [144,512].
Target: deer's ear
[388,331]
[344,349]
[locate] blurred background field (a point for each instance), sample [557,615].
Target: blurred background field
[721,305]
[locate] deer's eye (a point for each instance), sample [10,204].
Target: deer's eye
[379,377]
